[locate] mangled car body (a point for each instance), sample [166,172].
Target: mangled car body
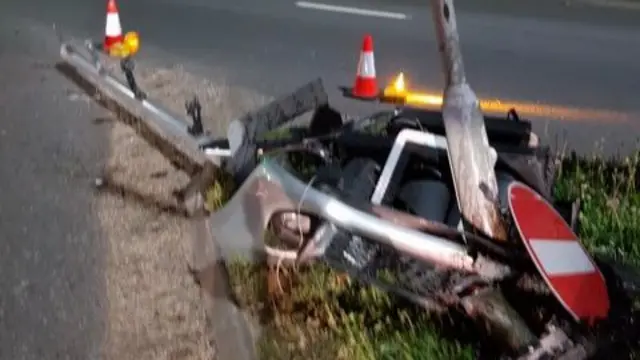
[447,208]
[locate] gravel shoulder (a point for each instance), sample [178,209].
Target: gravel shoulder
[155,308]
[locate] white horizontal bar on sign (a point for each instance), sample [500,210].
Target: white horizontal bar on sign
[351,10]
[218,152]
[562,257]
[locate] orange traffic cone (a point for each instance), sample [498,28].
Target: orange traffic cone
[365,85]
[113,30]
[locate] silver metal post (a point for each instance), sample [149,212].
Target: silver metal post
[472,159]
[444,18]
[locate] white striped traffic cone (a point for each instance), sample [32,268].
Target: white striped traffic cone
[113,30]
[365,85]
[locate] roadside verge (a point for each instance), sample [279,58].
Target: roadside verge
[155,310]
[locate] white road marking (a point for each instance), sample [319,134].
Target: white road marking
[559,257]
[351,10]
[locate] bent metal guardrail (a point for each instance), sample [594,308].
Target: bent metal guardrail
[158,119]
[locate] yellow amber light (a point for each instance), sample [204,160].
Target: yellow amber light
[132,42]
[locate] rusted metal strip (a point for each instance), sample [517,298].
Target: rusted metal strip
[471,158]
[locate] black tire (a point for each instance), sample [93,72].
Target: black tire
[358,179]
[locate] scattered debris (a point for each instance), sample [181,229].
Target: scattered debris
[428,206]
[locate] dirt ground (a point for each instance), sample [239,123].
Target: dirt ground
[154,307]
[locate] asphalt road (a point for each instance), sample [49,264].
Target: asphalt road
[50,280]
[51,285]
[565,56]
[579,57]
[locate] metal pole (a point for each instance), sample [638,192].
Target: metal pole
[471,158]
[444,18]
[472,162]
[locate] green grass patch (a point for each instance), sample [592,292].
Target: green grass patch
[317,313]
[610,217]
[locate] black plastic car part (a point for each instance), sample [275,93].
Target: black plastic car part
[499,131]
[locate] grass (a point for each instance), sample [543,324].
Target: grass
[610,218]
[320,314]
[316,313]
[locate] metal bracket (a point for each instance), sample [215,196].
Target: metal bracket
[194,109]
[93,55]
[127,66]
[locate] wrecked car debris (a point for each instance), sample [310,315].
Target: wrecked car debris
[435,199]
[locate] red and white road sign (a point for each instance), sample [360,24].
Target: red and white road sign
[558,254]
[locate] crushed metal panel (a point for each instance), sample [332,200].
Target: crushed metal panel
[239,227]
[270,117]
[563,262]
[472,162]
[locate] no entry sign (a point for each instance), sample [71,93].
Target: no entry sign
[558,254]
